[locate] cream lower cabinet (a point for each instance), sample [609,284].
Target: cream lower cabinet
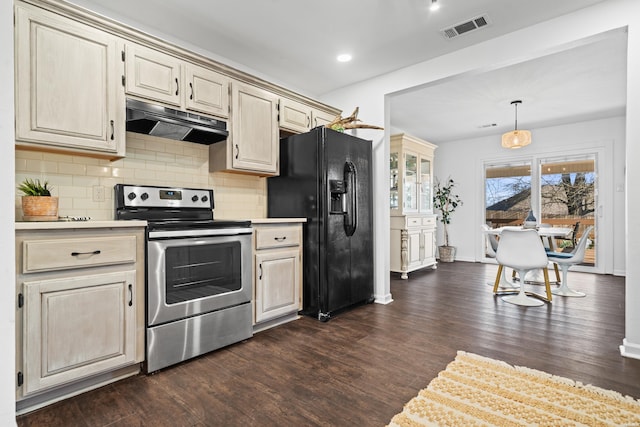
[69,95]
[277,271]
[80,311]
[413,244]
[77,326]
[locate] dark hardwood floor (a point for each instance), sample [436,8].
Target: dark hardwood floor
[362,366]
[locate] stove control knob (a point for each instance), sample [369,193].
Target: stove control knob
[194,198]
[204,198]
[144,196]
[131,195]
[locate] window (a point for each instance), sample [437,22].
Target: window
[568,199]
[507,193]
[562,192]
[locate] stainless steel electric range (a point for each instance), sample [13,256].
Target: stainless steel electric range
[198,278]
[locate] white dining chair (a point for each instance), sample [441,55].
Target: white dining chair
[523,251]
[491,246]
[566,260]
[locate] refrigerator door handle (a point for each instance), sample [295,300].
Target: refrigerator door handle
[351,211]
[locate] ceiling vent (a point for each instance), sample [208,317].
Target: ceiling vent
[466,26]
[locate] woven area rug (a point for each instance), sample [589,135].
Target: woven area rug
[478,391]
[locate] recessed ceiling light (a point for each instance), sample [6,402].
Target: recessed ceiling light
[434,5]
[345,57]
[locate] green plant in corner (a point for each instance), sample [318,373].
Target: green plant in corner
[34,188]
[446,201]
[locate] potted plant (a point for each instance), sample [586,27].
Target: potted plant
[446,202]
[37,202]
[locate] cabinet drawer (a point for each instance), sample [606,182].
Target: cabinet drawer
[429,221]
[63,254]
[277,237]
[414,222]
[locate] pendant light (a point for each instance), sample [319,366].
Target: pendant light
[516,138]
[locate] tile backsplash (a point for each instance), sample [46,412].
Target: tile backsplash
[78,180]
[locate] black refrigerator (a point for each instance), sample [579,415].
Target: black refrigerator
[325,177]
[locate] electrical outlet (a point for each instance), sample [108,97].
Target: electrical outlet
[98,193]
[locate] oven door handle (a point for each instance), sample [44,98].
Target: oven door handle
[200,232]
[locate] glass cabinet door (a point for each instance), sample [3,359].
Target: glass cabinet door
[393,175]
[425,185]
[410,183]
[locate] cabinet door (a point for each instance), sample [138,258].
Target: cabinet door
[428,256]
[68,93]
[414,247]
[294,116]
[425,186]
[277,283]
[393,181]
[207,91]
[320,118]
[410,193]
[254,129]
[152,74]
[77,326]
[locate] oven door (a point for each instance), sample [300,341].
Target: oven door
[191,276]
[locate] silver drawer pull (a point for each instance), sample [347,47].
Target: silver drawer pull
[85,253]
[280,239]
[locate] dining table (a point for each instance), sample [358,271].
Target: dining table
[548,233]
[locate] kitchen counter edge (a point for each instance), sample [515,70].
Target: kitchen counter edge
[62,225]
[276,220]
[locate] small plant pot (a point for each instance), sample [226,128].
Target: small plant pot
[39,208]
[447,253]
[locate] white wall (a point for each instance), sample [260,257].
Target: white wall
[545,38]
[631,343]
[464,160]
[7,236]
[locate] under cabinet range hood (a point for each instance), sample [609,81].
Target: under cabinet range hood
[163,122]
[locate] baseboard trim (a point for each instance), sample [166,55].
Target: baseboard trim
[630,350]
[383,299]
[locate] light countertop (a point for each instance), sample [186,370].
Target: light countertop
[276,220]
[62,225]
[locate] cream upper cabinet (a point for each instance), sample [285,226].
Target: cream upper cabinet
[207,91]
[411,175]
[153,75]
[321,118]
[253,143]
[68,91]
[294,116]
[157,76]
[299,118]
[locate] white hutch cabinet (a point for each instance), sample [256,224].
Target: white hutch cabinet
[413,223]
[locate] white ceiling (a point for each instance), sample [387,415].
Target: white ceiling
[295,43]
[583,83]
